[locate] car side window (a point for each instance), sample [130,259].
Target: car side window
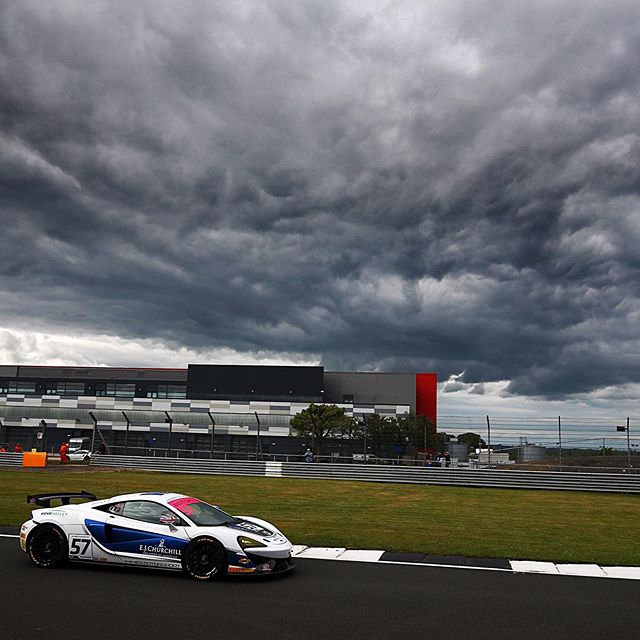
[147,511]
[116,508]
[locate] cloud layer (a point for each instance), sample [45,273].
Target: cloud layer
[400,186]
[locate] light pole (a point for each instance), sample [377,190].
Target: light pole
[628,442]
[559,443]
[213,435]
[258,440]
[126,434]
[489,443]
[169,419]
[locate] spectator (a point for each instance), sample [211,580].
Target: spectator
[17,448]
[447,459]
[308,455]
[3,450]
[64,448]
[102,448]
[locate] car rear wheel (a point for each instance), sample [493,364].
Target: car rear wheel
[47,546]
[204,559]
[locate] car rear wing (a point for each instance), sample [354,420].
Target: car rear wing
[44,499]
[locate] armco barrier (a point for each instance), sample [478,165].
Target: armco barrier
[490,478]
[10,459]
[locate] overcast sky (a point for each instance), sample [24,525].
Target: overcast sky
[434,186]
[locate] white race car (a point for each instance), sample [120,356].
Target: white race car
[152,529]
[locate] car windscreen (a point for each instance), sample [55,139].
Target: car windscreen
[201,513]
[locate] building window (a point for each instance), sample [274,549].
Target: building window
[115,390]
[64,388]
[166,391]
[7,386]
[25,386]
[347,398]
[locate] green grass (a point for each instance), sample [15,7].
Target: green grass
[535,525]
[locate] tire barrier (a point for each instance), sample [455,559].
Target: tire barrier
[488,478]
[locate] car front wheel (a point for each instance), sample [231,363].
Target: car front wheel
[47,546]
[204,559]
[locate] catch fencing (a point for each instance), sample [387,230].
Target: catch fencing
[489,478]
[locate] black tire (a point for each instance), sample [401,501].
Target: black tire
[204,559]
[47,546]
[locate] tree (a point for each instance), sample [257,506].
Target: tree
[472,440]
[319,422]
[381,430]
[419,431]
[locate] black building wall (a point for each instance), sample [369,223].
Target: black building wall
[250,382]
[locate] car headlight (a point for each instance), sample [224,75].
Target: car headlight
[246,542]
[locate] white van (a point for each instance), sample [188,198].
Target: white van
[75,444]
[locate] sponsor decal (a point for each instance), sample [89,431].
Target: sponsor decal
[244,561]
[240,570]
[60,514]
[159,549]
[244,525]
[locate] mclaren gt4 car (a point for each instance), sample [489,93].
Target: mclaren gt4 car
[152,529]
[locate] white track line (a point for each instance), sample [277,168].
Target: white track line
[8,535]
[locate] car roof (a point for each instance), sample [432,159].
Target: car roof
[154,496]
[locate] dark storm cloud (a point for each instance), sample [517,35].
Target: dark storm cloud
[450,188]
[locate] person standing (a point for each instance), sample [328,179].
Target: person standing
[17,448]
[64,448]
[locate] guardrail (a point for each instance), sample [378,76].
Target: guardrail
[10,459]
[490,478]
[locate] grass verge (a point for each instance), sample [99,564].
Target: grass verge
[519,524]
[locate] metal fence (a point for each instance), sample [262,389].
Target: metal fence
[619,483]
[10,459]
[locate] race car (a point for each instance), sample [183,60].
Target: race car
[152,529]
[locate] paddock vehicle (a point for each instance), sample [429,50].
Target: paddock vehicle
[79,455]
[152,529]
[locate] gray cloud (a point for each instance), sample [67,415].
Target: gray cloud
[444,187]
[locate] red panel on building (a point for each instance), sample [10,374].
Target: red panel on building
[426,395]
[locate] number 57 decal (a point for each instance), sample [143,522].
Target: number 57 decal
[80,546]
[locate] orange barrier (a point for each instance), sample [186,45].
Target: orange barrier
[31,459]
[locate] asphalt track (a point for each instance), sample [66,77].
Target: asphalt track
[322,599]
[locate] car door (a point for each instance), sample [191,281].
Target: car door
[145,533]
